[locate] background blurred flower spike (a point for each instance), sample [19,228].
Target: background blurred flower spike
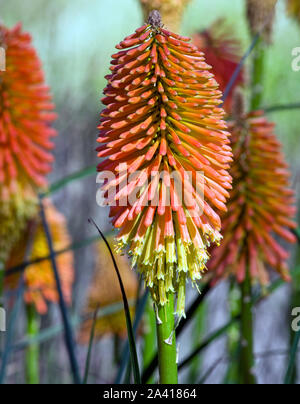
[261,208]
[26,112]
[223,51]
[39,278]
[171,11]
[261,15]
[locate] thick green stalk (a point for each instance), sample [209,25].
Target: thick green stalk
[149,349]
[246,353]
[32,352]
[166,342]
[1,284]
[234,335]
[1,301]
[295,302]
[258,72]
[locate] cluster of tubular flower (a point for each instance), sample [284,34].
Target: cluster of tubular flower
[26,112]
[261,207]
[223,52]
[162,117]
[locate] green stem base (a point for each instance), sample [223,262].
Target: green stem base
[166,342]
[32,352]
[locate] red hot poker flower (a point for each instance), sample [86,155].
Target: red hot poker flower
[162,118]
[26,111]
[261,208]
[223,52]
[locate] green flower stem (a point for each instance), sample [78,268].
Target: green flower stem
[1,284]
[32,352]
[166,342]
[246,353]
[295,302]
[233,345]
[258,72]
[149,337]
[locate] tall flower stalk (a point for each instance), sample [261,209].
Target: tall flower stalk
[162,122]
[261,206]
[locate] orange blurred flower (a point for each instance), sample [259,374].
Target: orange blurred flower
[25,116]
[162,122]
[39,278]
[261,208]
[105,291]
[223,52]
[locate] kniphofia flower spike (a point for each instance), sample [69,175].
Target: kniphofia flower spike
[261,208]
[162,119]
[223,52]
[26,111]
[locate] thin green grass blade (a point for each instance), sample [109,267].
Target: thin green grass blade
[73,247]
[131,339]
[281,108]
[69,340]
[54,331]
[138,317]
[10,330]
[88,358]
[86,172]
[215,335]
[292,359]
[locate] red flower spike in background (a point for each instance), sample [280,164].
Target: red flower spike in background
[223,52]
[162,116]
[261,208]
[39,278]
[26,111]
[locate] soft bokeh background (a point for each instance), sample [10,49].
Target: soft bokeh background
[75,39]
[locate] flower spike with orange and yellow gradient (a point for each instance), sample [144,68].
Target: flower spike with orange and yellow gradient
[162,120]
[26,112]
[261,208]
